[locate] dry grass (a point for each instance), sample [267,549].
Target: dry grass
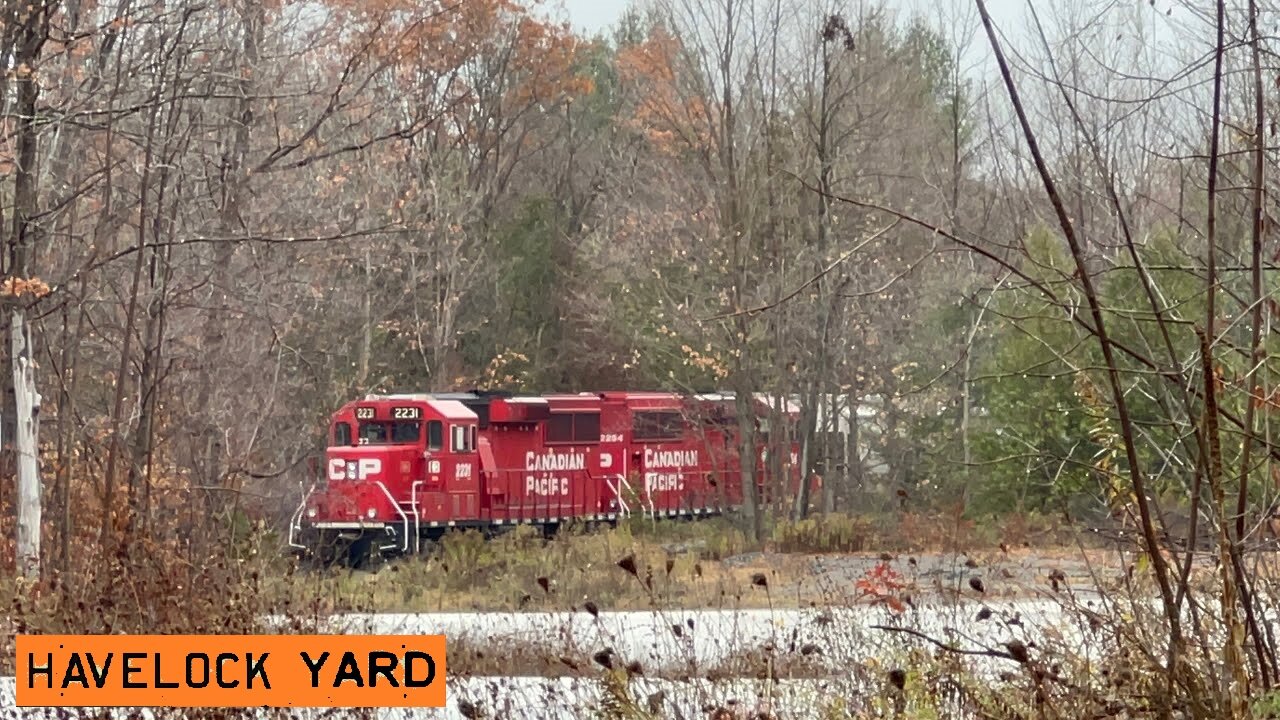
[707,564]
[509,658]
[522,571]
[165,586]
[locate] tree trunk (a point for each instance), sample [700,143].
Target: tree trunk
[235,189]
[853,443]
[149,389]
[66,416]
[779,452]
[31,22]
[28,406]
[747,453]
[366,339]
[826,425]
[808,415]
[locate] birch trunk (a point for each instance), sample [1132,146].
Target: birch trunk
[27,401]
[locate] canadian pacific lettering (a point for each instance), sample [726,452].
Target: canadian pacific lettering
[552,460]
[534,485]
[670,458]
[675,462]
[544,481]
[663,482]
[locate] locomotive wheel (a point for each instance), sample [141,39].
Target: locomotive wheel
[329,552]
[323,551]
[359,553]
[427,545]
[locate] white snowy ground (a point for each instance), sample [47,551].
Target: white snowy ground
[844,638]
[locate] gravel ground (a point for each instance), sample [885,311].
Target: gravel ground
[945,576]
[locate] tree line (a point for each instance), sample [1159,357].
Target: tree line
[222,220]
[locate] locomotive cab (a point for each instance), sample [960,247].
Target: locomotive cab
[389,460]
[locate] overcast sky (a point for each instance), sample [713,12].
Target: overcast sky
[594,15]
[591,16]
[1011,18]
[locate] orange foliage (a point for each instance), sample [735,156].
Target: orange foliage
[548,54]
[1268,401]
[442,45]
[667,116]
[17,287]
[882,584]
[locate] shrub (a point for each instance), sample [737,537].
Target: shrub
[826,533]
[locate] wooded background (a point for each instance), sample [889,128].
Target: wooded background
[224,218]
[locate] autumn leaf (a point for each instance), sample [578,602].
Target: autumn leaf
[17,287]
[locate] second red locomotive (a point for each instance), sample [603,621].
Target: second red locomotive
[407,467]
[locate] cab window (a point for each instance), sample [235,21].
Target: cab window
[435,435]
[373,433]
[342,433]
[405,433]
[402,432]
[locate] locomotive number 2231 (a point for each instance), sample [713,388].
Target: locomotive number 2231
[406,413]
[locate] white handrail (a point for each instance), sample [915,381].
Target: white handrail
[295,523]
[396,505]
[623,509]
[417,517]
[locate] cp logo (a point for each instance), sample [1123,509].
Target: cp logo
[361,469]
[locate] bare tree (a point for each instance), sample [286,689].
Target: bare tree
[26,29]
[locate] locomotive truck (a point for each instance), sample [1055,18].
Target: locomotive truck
[401,469]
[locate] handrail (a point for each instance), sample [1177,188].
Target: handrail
[417,517]
[623,509]
[295,522]
[396,505]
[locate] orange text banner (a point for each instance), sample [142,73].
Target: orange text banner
[231,670]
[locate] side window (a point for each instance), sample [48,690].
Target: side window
[461,433]
[586,427]
[342,434]
[657,426]
[560,428]
[574,428]
[435,435]
[475,443]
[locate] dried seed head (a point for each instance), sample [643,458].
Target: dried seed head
[628,563]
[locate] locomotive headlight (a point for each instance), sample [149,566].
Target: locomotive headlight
[311,512]
[370,513]
[351,470]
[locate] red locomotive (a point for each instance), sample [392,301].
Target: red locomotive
[407,467]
